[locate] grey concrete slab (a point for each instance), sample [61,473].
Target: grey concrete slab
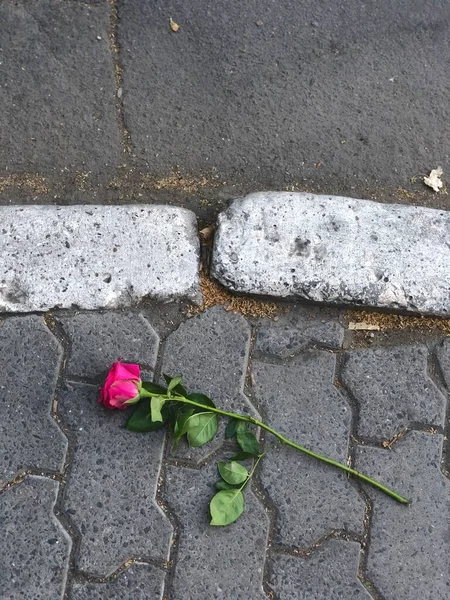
[96,256]
[393,389]
[138,582]
[34,553]
[299,92]
[214,562]
[329,573]
[111,487]
[335,250]
[408,550]
[30,359]
[97,340]
[57,86]
[300,401]
[210,351]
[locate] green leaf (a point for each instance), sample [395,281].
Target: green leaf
[180,424]
[156,404]
[232,472]
[244,456]
[172,384]
[177,388]
[140,419]
[201,399]
[226,507]
[201,428]
[231,428]
[153,389]
[241,426]
[248,442]
[223,485]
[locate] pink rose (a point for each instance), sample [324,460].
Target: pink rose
[122,386]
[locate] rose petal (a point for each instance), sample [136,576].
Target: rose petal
[127,371]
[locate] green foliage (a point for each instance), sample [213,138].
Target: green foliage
[180,424]
[140,419]
[226,507]
[232,472]
[248,442]
[201,428]
[156,404]
[174,385]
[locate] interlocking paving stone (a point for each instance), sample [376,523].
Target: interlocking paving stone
[96,256]
[443,354]
[34,551]
[328,574]
[291,335]
[393,389]
[110,492]
[408,550]
[58,87]
[337,250]
[96,340]
[211,352]
[214,562]
[300,401]
[30,359]
[138,582]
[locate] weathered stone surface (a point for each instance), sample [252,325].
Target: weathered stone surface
[337,250]
[110,492]
[138,582]
[96,256]
[286,341]
[443,354]
[211,352]
[328,574]
[300,401]
[30,359]
[214,562]
[57,87]
[34,551]
[96,340]
[393,389]
[408,550]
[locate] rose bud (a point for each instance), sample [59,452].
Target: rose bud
[122,386]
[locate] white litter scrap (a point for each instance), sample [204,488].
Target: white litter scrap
[434,179]
[363,327]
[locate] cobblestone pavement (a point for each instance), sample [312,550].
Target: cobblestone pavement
[92,511]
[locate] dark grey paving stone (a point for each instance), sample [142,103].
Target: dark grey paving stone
[443,354]
[408,551]
[287,341]
[393,389]
[58,87]
[214,562]
[300,401]
[138,582]
[97,340]
[283,92]
[30,358]
[110,492]
[328,574]
[34,552]
[211,352]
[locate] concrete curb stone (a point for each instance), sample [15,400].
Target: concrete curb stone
[96,256]
[336,250]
